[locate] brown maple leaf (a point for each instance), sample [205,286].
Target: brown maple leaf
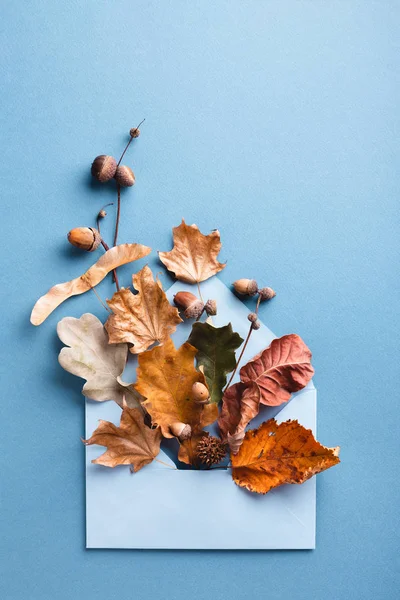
[240,404]
[276,454]
[144,318]
[279,370]
[113,258]
[165,377]
[194,255]
[132,443]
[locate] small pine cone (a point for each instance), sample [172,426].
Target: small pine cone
[266,293]
[210,450]
[211,308]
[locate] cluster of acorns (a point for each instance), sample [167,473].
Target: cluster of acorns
[249,287]
[193,307]
[104,168]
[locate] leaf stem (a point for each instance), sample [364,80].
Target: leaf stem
[118,214]
[244,345]
[98,215]
[166,464]
[106,247]
[129,143]
[100,300]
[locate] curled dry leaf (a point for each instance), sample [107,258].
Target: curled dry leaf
[132,443]
[113,258]
[281,369]
[240,404]
[144,318]
[194,255]
[91,357]
[165,377]
[215,354]
[276,454]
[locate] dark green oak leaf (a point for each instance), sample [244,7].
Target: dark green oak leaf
[215,354]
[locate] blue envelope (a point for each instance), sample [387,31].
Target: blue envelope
[159,507]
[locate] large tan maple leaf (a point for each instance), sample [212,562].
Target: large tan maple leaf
[144,318]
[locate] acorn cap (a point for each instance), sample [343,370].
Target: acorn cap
[124,176]
[211,308]
[85,238]
[266,293]
[104,167]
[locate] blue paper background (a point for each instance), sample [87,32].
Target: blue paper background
[277,122]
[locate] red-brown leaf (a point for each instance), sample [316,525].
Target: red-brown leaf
[281,369]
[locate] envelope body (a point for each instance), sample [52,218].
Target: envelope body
[165,508]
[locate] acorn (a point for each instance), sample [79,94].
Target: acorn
[266,293]
[211,308]
[255,323]
[124,176]
[192,306]
[85,238]
[104,167]
[200,393]
[182,431]
[246,287]
[134,132]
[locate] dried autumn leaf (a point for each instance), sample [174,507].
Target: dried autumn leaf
[113,258]
[132,443]
[144,318]
[276,454]
[194,255]
[215,354]
[240,404]
[165,377]
[281,369]
[91,357]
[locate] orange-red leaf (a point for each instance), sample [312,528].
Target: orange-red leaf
[132,443]
[276,454]
[281,369]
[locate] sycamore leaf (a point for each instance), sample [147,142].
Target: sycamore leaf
[276,454]
[194,255]
[215,354]
[144,318]
[90,356]
[165,377]
[132,443]
[281,369]
[240,404]
[113,258]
